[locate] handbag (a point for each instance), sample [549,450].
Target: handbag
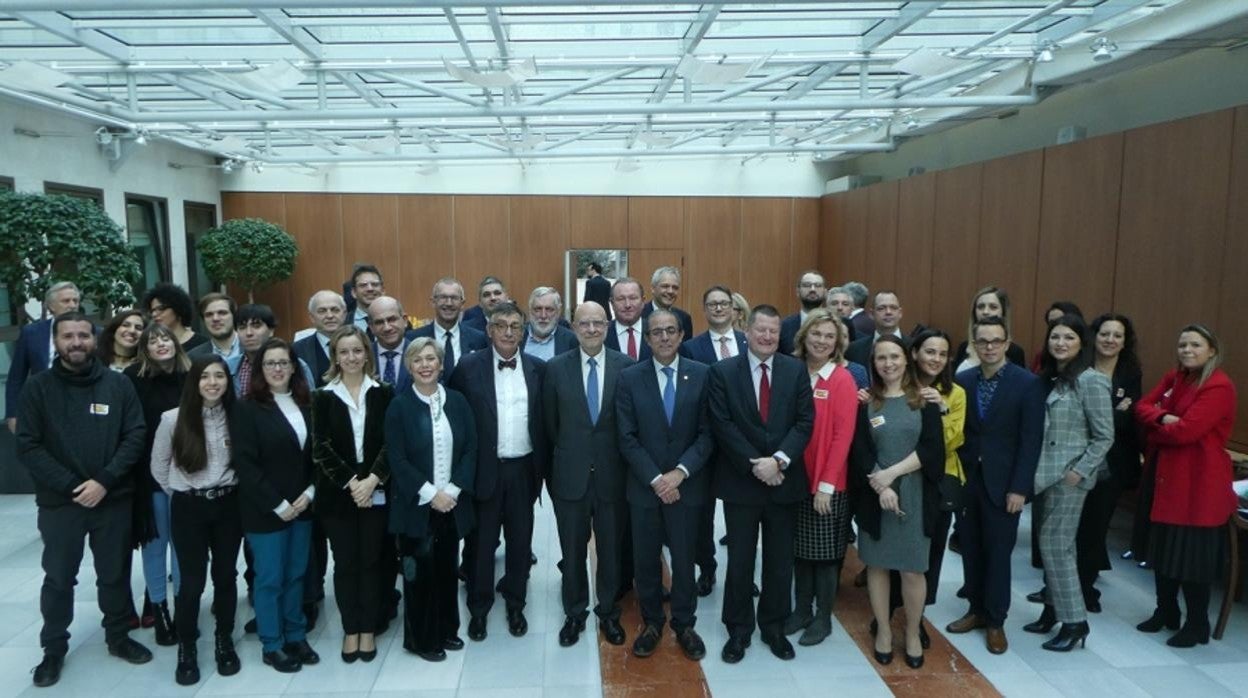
[952,493]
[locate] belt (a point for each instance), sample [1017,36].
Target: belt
[522,459]
[213,493]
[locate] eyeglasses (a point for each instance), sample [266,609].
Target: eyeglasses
[513,327]
[277,365]
[444,298]
[718,305]
[663,331]
[158,309]
[989,343]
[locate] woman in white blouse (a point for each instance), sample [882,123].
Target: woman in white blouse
[431,441]
[349,452]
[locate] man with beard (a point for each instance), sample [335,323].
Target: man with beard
[812,293]
[490,293]
[664,290]
[544,337]
[217,311]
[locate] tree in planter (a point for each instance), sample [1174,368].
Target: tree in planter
[249,252]
[45,239]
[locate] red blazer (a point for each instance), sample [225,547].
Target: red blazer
[1193,469]
[836,413]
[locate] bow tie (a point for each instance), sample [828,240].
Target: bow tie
[507,363]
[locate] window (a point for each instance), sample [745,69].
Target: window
[199,219]
[88,193]
[147,231]
[6,184]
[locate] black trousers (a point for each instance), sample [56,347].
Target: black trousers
[704,543]
[318,563]
[987,535]
[200,527]
[63,530]
[430,585]
[576,520]
[357,537]
[778,524]
[510,509]
[1091,553]
[677,524]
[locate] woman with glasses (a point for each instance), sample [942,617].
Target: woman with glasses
[169,305]
[272,455]
[118,347]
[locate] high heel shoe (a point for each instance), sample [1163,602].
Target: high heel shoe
[1048,619]
[1168,619]
[1070,635]
[1190,636]
[914,662]
[884,658]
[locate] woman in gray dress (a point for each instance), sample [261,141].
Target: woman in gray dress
[897,458]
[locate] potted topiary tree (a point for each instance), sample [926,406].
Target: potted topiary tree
[249,252]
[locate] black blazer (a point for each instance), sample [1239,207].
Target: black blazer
[1124,456]
[863,456]
[474,318]
[613,342]
[703,350]
[649,445]
[474,379]
[565,339]
[1004,446]
[686,322]
[598,290]
[333,447]
[788,332]
[309,351]
[409,444]
[580,446]
[271,465]
[740,433]
[859,350]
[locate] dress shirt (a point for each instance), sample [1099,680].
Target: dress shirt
[621,335]
[757,376]
[292,413]
[443,447]
[658,371]
[823,374]
[543,349]
[512,395]
[51,348]
[360,319]
[236,348]
[895,333]
[216,472]
[398,358]
[358,411]
[601,358]
[986,389]
[322,340]
[439,335]
[716,342]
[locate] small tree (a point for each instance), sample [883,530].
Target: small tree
[249,252]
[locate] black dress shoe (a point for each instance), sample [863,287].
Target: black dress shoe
[187,671]
[532,559]
[516,624]
[131,651]
[571,631]
[781,647]
[1036,596]
[1070,635]
[227,659]
[282,662]
[884,658]
[754,591]
[166,631]
[612,630]
[1160,619]
[368,656]
[1190,636]
[691,643]
[1042,626]
[453,643]
[723,540]
[302,651]
[647,641]
[706,582]
[434,656]
[914,662]
[49,670]
[250,627]
[734,650]
[476,628]
[350,657]
[1093,605]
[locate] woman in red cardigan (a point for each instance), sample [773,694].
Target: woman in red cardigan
[823,518]
[1188,418]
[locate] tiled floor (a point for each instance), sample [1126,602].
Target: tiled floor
[1118,661]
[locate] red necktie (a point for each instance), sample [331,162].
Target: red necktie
[632,344]
[723,348]
[764,393]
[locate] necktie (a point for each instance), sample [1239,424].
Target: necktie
[723,348]
[448,352]
[764,393]
[632,345]
[591,391]
[388,373]
[244,374]
[506,363]
[669,393]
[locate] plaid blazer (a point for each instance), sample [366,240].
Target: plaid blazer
[1078,430]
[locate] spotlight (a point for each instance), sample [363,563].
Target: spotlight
[257,166]
[1102,49]
[141,137]
[1045,54]
[103,136]
[229,165]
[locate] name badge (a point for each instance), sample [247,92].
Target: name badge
[99,408]
[877,421]
[379,498]
[821,394]
[1120,393]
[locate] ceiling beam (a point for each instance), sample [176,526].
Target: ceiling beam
[911,13]
[587,84]
[52,5]
[62,26]
[297,36]
[360,89]
[431,89]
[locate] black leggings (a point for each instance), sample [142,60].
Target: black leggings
[201,526]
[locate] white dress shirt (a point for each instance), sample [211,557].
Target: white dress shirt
[756,375]
[512,395]
[358,411]
[290,410]
[443,448]
[621,334]
[731,343]
[439,335]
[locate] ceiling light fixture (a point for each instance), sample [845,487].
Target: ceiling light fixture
[230,165]
[257,166]
[141,137]
[1045,53]
[103,136]
[1103,49]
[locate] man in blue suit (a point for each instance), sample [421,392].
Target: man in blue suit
[390,338]
[34,349]
[326,310]
[490,292]
[1004,430]
[812,293]
[665,438]
[544,337]
[455,337]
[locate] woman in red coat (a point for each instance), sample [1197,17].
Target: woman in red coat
[1188,418]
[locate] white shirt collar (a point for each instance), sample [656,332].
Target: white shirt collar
[755,361]
[826,370]
[439,332]
[730,334]
[675,365]
[427,399]
[340,389]
[498,357]
[601,358]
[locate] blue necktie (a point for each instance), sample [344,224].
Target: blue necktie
[388,375]
[591,391]
[669,393]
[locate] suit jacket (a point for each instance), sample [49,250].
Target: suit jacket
[30,356]
[309,352]
[579,446]
[333,446]
[1004,445]
[1078,431]
[409,444]
[859,350]
[652,447]
[863,324]
[565,339]
[474,379]
[703,350]
[1123,458]
[686,322]
[474,317]
[788,332]
[613,342]
[271,465]
[402,379]
[470,340]
[598,290]
[863,458]
[741,434]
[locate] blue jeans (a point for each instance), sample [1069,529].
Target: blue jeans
[281,559]
[155,563]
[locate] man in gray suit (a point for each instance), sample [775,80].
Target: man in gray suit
[587,475]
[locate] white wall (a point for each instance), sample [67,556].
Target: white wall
[75,159]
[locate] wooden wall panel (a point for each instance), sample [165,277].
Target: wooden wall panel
[597,222]
[539,235]
[1171,229]
[1232,325]
[316,223]
[426,250]
[712,251]
[766,236]
[850,261]
[656,223]
[370,234]
[1009,230]
[916,205]
[481,241]
[804,241]
[955,256]
[829,236]
[881,259]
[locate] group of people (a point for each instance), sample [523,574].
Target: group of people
[413,454]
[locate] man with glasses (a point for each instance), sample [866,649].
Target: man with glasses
[366,287]
[326,310]
[390,338]
[254,324]
[504,390]
[812,294]
[887,316]
[544,337]
[1004,431]
[455,337]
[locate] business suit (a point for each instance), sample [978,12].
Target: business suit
[310,351]
[470,340]
[613,342]
[564,339]
[788,332]
[586,480]
[702,348]
[505,489]
[474,318]
[598,290]
[651,447]
[999,455]
[402,379]
[741,435]
[30,356]
[864,324]
[682,318]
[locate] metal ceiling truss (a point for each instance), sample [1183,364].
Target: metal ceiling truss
[367,81]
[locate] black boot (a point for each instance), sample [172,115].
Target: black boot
[227,659]
[827,578]
[804,584]
[1166,614]
[1196,629]
[187,673]
[1048,618]
[1070,635]
[166,633]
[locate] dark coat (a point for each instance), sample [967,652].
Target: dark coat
[863,456]
[310,353]
[333,447]
[703,350]
[1004,446]
[683,318]
[579,446]
[271,465]
[30,356]
[409,443]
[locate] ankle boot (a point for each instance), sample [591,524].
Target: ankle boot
[166,635]
[1162,618]
[1070,635]
[227,658]
[187,672]
[1048,618]
[827,578]
[804,585]
[1195,632]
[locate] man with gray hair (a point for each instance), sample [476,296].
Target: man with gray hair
[840,302]
[451,333]
[862,321]
[326,310]
[35,349]
[664,290]
[544,336]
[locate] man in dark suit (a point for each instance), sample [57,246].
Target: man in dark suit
[504,389]
[587,475]
[840,302]
[490,292]
[544,337]
[860,317]
[887,314]
[812,294]
[34,350]
[762,415]
[455,337]
[366,286]
[390,338]
[597,288]
[665,438]
[326,311]
[626,333]
[1004,432]
[664,291]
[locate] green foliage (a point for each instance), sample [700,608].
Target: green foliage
[249,252]
[46,239]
